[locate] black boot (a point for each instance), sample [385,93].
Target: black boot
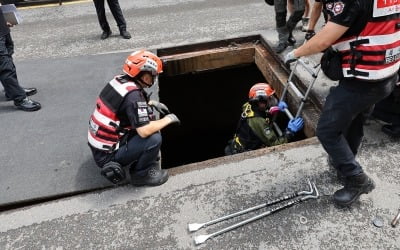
[27,104]
[105,34]
[125,34]
[291,39]
[354,187]
[154,177]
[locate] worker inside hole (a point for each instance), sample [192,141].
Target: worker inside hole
[255,128]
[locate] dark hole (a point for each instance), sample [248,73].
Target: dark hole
[209,106]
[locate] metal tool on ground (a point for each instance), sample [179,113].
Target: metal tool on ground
[294,198]
[196,226]
[313,71]
[396,219]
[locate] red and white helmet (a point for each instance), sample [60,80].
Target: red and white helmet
[260,92]
[142,61]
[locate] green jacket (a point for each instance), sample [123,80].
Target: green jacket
[255,131]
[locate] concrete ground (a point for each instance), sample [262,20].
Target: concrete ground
[45,154]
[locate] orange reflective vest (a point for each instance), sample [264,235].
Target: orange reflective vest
[375,53]
[104,131]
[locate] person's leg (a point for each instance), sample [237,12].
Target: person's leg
[280,18]
[343,110]
[335,118]
[101,15]
[119,18]
[290,6]
[295,17]
[306,16]
[355,132]
[143,156]
[9,80]
[9,43]
[8,75]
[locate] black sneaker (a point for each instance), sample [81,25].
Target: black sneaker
[105,34]
[28,92]
[27,104]
[125,34]
[154,177]
[281,47]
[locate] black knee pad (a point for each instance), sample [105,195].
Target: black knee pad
[113,172]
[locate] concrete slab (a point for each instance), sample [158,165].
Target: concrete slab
[45,153]
[157,218]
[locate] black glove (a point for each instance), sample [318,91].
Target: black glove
[173,118]
[309,34]
[160,107]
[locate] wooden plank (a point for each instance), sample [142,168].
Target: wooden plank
[208,45]
[207,60]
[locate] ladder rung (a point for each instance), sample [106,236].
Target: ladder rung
[296,90]
[289,115]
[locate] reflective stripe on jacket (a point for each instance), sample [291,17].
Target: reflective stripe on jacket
[375,53]
[104,131]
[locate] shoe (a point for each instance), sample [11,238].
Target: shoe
[391,130]
[291,39]
[105,34]
[125,34]
[281,47]
[27,104]
[154,177]
[304,26]
[354,187]
[28,92]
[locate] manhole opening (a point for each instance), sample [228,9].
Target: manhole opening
[209,107]
[206,84]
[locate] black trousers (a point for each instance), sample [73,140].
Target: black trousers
[340,127]
[8,73]
[144,151]
[115,10]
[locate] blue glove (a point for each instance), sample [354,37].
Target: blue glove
[295,124]
[282,105]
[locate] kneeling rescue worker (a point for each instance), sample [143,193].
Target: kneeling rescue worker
[255,128]
[123,130]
